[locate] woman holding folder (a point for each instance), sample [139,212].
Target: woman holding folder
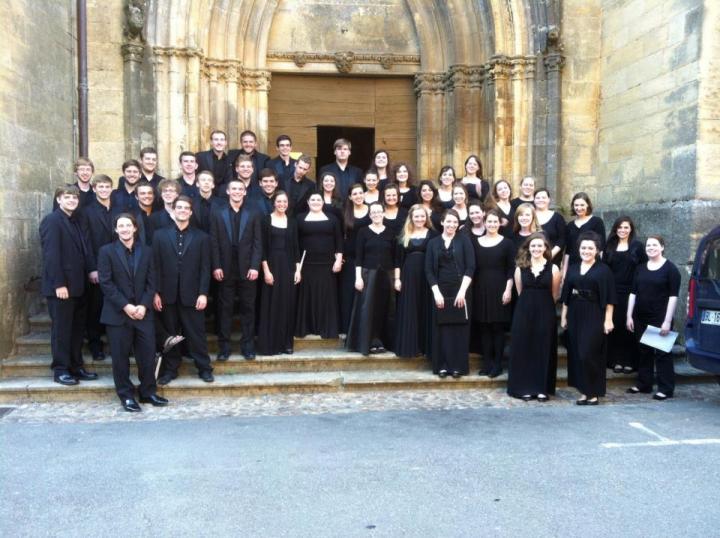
[652,301]
[449,266]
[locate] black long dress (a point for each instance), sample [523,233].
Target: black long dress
[533,344]
[372,323]
[412,335]
[277,302]
[622,344]
[555,232]
[572,232]
[586,297]
[346,294]
[317,311]
[449,343]
[493,267]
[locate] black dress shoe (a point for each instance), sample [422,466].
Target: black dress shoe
[207,376]
[157,401]
[99,356]
[249,354]
[288,351]
[65,379]
[131,406]
[166,378]
[83,374]
[442,374]
[496,372]
[661,397]
[222,356]
[456,374]
[526,398]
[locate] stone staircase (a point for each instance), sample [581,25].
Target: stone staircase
[316,366]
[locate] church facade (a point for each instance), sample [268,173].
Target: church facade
[617,98]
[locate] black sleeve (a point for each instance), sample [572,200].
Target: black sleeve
[150,288]
[559,224]
[567,285]
[109,289]
[360,247]
[430,256]
[256,250]
[204,265]
[606,286]
[265,229]
[509,260]
[214,241]
[673,279]
[399,255]
[338,235]
[294,242]
[468,254]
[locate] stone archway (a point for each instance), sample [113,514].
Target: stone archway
[486,76]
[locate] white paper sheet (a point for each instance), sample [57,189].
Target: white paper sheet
[652,337]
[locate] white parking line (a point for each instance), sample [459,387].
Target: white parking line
[661,440]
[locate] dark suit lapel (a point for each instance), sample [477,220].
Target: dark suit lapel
[105,217]
[120,251]
[73,231]
[243,222]
[190,233]
[228,226]
[136,258]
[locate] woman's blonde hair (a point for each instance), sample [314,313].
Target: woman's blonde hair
[534,225]
[407,229]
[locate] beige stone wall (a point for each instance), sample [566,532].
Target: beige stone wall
[649,108]
[581,34]
[37,100]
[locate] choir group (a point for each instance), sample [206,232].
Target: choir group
[439,268]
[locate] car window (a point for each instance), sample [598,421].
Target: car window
[710,268]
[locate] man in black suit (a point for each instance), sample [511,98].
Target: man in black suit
[283,164]
[67,263]
[123,198]
[248,141]
[127,279]
[182,268]
[346,173]
[188,176]
[207,202]
[97,220]
[300,187]
[216,160]
[236,250]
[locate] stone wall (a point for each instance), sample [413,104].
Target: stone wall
[37,144]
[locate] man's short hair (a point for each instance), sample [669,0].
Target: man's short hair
[268,172]
[101,178]
[342,142]
[281,138]
[72,190]
[168,182]
[186,154]
[182,198]
[207,173]
[147,151]
[305,158]
[83,161]
[131,162]
[248,133]
[141,184]
[218,131]
[242,158]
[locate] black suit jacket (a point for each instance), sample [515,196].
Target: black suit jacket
[284,173]
[67,255]
[98,224]
[345,178]
[298,194]
[119,287]
[186,275]
[249,248]
[203,208]
[223,171]
[463,253]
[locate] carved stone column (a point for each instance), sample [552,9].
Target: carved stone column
[503,119]
[462,119]
[521,73]
[431,128]
[553,65]
[133,49]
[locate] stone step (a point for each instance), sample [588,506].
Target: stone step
[42,388]
[38,343]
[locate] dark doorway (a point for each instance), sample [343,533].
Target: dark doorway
[362,139]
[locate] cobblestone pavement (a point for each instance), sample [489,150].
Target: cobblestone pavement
[89,411]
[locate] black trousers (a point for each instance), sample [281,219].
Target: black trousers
[139,336]
[655,364]
[93,328]
[185,320]
[66,334]
[246,291]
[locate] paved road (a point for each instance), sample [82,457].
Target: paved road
[516,470]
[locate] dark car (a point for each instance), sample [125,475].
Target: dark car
[702,330]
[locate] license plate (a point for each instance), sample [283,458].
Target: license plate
[710,317]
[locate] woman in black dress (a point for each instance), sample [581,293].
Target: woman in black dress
[431,202]
[394,214]
[623,254]
[372,192]
[460,201]
[492,292]
[281,273]
[527,192]
[355,217]
[552,222]
[652,301]
[412,335]
[500,200]
[332,201]
[525,224]
[477,187]
[405,181]
[449,266]
[372,322]
[533,345]
[584,221]
[321,243]
[446,179]
[588,298]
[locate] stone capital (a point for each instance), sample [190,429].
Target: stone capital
[132,52]
[429,83]
[553,62]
